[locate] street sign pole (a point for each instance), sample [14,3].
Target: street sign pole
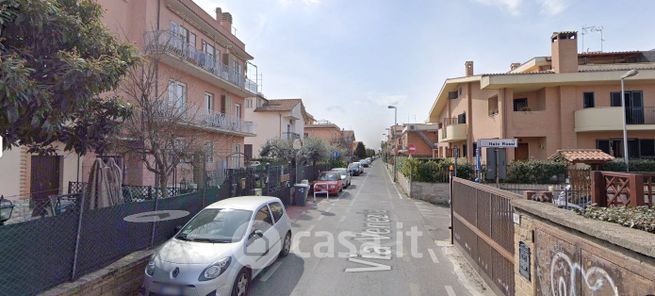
[496,166]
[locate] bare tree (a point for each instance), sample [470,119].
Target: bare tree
[159,130]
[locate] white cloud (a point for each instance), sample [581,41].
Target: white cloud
[548,7]
[511,6]
[304,2]
[552,7]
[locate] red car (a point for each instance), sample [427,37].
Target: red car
[328,181]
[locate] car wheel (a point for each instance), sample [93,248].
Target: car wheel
[286,247]
[241,283]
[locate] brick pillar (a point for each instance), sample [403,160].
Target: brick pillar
[598,194]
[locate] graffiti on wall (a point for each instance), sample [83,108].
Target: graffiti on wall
[565,274]
[569,265]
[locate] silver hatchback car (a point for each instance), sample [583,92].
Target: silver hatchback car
[221,249]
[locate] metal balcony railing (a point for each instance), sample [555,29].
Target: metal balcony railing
[167,42]
[202,117]
[641,116]
[290,136]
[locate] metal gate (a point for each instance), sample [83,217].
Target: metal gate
[483,228]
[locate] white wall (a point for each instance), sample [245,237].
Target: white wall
[10,173]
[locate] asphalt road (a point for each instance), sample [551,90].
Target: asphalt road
[370,241]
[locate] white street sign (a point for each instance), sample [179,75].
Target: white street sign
[498,143]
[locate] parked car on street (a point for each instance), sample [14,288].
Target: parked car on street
[365,163]
[328,181]
[345,176]
[355,168]
[221,249]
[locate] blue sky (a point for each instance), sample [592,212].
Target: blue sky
[349,59]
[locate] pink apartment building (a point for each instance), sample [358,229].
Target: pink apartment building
[566,100]
[205,68]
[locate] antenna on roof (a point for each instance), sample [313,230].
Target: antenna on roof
[591,29]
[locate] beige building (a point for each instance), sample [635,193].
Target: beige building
[275,119]
[566,100]
[205,68]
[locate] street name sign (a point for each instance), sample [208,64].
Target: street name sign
[498,143]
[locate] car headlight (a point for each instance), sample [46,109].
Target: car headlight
[215,269]
[150,268]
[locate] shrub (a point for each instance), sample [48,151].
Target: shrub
[536,172]
[433,170]
[637,165]
[641,217]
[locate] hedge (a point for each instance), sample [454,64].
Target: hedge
[432,170]
[637,165]
[536,172]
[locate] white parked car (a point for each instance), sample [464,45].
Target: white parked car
[221,249]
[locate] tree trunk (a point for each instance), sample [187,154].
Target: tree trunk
[163,184]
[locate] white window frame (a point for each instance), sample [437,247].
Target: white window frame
[237,112]
[177,95]
[209,102]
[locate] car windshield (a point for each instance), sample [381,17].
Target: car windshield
[341,174]
[328,177]
[216,226]
[353,165]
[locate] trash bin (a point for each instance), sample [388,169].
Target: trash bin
[300,194]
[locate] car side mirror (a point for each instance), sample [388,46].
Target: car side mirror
[257,234]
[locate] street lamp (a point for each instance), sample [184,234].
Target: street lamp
[395,114]
[393,136]
[6,207]
[626,153]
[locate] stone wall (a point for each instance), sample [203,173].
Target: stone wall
[436,193]
[404,184]
[123,277]
[580,256]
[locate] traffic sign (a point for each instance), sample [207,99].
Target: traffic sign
[411,148]
[498,143]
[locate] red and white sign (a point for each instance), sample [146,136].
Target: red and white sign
[411,148]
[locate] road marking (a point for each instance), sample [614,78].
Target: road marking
[309,229]
[414,290]
[373,266]
[442,244]
[321,217]
[270,271]
[433,256]
[450,291]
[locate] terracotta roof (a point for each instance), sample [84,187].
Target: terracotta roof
[588,156]
[279,105]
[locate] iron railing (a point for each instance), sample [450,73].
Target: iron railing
[168,42]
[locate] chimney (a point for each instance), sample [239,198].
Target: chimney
[513,66]
[468,68]
[564,52]
[226,21]
[219,13]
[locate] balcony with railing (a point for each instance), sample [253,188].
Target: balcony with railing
[200,117]
[611,119]
[165,42]
[291,136]
[452,130]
